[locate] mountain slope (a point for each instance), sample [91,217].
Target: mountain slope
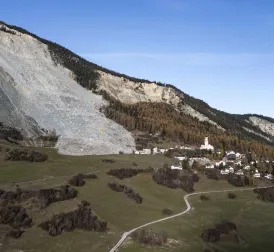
[36,91]
[39,86]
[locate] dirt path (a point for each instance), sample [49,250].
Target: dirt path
[126,234]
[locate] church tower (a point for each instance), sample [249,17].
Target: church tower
[206,141]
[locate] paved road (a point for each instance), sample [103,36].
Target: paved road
[126,234]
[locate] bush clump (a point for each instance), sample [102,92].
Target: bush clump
[231,195]
[173,179]
[78,180]
[82,218]
[127,190]
[265,194]
[15,233]
[167,211]
[116,187]
[214,234]
[25,155]
[238,181]
[204,197]
[127,172]
[52,195]
[211,235]
[150,238]
[44,197]
[15,216]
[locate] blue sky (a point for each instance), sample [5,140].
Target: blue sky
[221,51]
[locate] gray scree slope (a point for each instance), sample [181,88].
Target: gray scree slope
[36,93]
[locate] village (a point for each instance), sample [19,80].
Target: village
[230,162]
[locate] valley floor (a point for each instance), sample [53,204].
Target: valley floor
[253,217]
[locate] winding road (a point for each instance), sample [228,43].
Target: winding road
[126,234]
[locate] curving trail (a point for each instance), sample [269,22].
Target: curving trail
[126,234]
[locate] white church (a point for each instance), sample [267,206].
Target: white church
[207,146]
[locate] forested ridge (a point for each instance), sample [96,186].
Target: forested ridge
[164,119]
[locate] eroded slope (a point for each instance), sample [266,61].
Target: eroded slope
[33,86]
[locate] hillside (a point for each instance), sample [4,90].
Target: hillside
[122,213]
[39,88]
[38,95]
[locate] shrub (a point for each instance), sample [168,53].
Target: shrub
[82,218]
[126,172]
[134,164]
[238,181]
[77,180]
[15,216]
[127,190]
[15,233]
[204,197]
[150,238]
[116,187]
[167,211]
[121,152]
[43,197]
[173,179]
[85,203]
[265,194]
[25,155]
[231,195]
[48,196]
[211,235]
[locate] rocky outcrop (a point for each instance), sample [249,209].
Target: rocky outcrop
[130,92]
[263,124]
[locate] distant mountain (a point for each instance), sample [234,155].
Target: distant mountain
[39,92]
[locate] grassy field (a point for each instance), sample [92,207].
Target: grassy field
[251,215]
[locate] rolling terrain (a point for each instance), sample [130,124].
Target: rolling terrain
[123,214]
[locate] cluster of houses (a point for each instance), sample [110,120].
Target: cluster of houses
[231,163]
[156,150]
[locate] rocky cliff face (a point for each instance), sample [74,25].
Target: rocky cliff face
[263,124]
[131,92]
[36,93]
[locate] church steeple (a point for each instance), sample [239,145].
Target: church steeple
[206,141]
